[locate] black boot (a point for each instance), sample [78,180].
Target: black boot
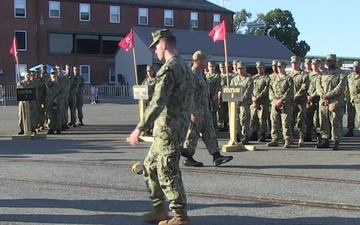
[81,122]
[21,132]
[336,146]
[58,131]
[318,138]
[225,128]
[66,126]
[219,159]
[245,140]
[50,131]
[268,136]
[70,124]
[63,128]
[254,136]
[262,137]
[350,133]
[192,162]
[324,144]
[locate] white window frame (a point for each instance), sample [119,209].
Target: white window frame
[88,10]
[115,9]
[54,6]
[26,44]
[112,74]
[88,80]
[169,14]
[194,16]
[216,19]
[20,2]
[22,70]
[143,12]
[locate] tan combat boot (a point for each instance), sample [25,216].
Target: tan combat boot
[301,141]
[158,214]
[179,219]
[287,143]
[273,143]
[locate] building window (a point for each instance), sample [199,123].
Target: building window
[112,76]
[84,71]
[84,12]
[87,44]
[54,9]
[194,20]
[22,71]
[143,16]
[20,8]
[168,18]
[61,43]
[114,14]
[21,39]
[110,44]
[216,20]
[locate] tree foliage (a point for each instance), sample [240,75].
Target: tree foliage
[240,20]
[279,24]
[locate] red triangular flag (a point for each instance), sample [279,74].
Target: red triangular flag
[14,49]
[127,42]
[218,33]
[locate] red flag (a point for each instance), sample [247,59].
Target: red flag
[127,42]
[14,49]
[218,33]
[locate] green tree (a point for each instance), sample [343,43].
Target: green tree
[281,25]
[240,20]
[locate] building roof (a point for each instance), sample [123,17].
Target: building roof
[238,45]
[201,5]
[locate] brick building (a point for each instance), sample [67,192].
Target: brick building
[86,33]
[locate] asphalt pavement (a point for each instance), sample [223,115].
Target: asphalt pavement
[83,176]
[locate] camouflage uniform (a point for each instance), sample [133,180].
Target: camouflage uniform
[301,85]
[281,88]
[260,110]
[223,111]
[42,116]
[53,98]
[244,107]
[214,82]
[33,107]
[150,82]
[74,85]
[80,97]
[350,106]
[331,84]
[312,107]
[203,124]
[353,81]
[272,76]
[169,110]
[65,85]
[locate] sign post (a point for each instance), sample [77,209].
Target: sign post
[233,94]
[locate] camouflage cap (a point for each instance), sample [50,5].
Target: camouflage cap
[281,63]
[240,65]
[307,60]
[31,73]
[274,62]
[75,67]
[67,66]
[57,67]
[330,57]
[235,62]
[160,34]
[210,63]
[315,61]
[200,55]
[259,64]
[356,63]
[53,71]
[149,68]
[294,59]
[43,65]
[221,65]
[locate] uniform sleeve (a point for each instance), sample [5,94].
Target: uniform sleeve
[162,92]
[289,93]
[265,90]
[304,86]
[248,91]
[339,89]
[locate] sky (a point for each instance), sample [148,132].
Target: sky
[328,27]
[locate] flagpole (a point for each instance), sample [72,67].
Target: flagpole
[135,67]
